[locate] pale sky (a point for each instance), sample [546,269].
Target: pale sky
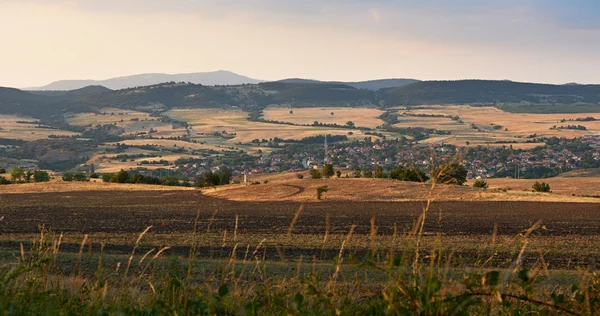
[526,40]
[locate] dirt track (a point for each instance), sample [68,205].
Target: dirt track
[175,211]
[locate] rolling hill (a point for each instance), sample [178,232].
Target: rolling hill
[491,92]
[214,78]
[373,85]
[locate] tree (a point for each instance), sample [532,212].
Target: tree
[480,183]
[321,190]
[379,174]
[328,171]
[28,175]
[2,171]
[291,111]
[410,174]
[453,173]
[338,174]
[67,177]
[541,187]
[121,177]
[315,174]
[350,124]
[367,174]
[80,177]
[17,174]
[41,176]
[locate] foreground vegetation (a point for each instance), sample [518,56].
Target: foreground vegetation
[405,273]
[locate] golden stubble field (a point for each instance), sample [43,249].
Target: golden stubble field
[286,187]
[9,128]
[518,125]
[362,117]
[208,121]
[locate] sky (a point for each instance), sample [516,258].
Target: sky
[547,41]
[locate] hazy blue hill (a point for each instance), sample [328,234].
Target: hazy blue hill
[220,77]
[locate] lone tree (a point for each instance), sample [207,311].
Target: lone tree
[541,187]
[453,173]
[315,174]
[17,174]
[41,176]
[328,171]
[321,190]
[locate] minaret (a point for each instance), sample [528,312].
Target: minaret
[326,158]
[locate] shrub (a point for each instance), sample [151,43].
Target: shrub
[541,187]
[480,183]
[453,173]
[300,176]
[106,177]
[266,181]
[94,176]
[3,180]
[315,174]
[68,177]
[338,174]
[80,177]
[17,174]
[328,171]
[41,176]
[321,190]
[2,171]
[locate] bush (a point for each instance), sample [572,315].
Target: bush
[106,177]
[541,187]
[321,190]
[315,174]
[300,176]
[480,183]
[41,176]
[453,173]
[80,177]
[3,180]
[68,177]
[2,171]
[328,171]
[94,176]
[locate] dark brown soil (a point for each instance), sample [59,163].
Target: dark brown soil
[175,211]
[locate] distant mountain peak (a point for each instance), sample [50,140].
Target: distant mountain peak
[213,78]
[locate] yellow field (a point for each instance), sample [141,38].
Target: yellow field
[105,163]
[208,121]
[112,116]
[9,128]
[518,125]
[362,117]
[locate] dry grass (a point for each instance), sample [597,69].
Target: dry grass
[519,125]
[97,185]
[284,187]
[363,117]
[208,121]
[84,119]
[563,186]
[9,128]
[108,165]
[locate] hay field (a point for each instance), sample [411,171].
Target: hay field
[60,186]
[283,188]
[518,124]
[564,186]
[362,117]
[9,128]
[514,126]
[112,116]
[105,163]
[209,121]
[142,122]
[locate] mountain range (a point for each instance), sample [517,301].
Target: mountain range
[507,95]
[215,78]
